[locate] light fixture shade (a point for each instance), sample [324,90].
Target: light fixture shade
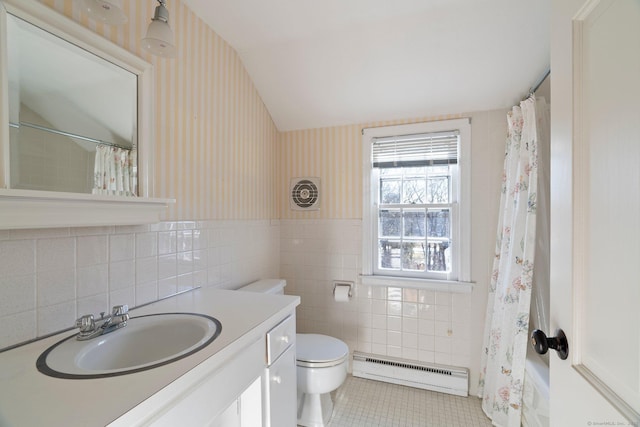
[106,11]
[159,39]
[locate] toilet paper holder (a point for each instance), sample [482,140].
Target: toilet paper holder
[337,284]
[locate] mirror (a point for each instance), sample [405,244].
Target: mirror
[73,106]
[71,114]
[76,110]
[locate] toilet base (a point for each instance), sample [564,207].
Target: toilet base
[314,410]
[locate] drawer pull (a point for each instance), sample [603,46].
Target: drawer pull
[285,339]
[276,379]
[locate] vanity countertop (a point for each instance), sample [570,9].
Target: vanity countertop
[30,398]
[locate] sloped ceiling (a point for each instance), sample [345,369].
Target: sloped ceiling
[335,62]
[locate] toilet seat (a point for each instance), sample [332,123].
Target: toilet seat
[320,351]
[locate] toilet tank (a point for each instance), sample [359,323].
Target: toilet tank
[266,286]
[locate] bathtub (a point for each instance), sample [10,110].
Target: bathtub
[535,394]
[535,398]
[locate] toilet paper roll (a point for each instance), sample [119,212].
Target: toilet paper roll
[341,293]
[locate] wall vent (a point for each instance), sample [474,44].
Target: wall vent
[445,379]
[304,194]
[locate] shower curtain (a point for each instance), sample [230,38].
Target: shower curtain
[507,321]
[115,171]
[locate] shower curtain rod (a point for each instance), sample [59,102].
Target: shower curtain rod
[535,87]
[68,134]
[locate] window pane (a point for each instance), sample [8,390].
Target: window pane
[414,222]
[438,223]
[439,256]
[438,170]
[390,172]
[414,191]
[390,223]
[415,198]
[389,251]
[389,191]
[413,172]
[438,189]
[413,256]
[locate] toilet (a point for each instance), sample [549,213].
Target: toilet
[321,366]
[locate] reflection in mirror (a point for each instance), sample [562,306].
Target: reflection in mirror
[73,116]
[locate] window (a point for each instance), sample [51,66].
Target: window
[415,213]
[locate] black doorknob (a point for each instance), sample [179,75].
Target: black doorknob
[541,344]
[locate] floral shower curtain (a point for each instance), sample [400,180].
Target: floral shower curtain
[507,322]
[115,171]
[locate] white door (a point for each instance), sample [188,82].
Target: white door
[595,211]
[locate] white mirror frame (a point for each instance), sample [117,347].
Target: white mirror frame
[43,209]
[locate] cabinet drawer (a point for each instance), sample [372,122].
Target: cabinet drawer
[280,338]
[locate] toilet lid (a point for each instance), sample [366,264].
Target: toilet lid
[319,348]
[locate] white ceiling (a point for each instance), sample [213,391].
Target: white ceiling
[335,62]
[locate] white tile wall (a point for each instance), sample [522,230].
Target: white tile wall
[50,277]
[413,324]
[423,325]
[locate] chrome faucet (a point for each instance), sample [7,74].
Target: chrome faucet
[91,328]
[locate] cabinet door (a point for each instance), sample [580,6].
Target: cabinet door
[229,418]
[251,405]
[281,390]
[210,395]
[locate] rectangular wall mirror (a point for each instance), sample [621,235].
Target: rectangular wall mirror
[72,116]
[76,108]
[76,125]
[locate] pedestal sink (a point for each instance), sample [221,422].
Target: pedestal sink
[145,343]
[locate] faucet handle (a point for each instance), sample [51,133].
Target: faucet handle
[86,323]
[120,310]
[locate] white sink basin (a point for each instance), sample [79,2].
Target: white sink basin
[145,343]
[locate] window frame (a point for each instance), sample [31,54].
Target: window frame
[461,211]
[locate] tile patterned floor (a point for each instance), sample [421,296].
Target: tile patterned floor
[365,403]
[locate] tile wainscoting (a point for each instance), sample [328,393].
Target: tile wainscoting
[423,325]
[50,277]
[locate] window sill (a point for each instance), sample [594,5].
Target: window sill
[46,209]
[428,284]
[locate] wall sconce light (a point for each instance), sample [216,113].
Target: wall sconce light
[159,39]
[105,11]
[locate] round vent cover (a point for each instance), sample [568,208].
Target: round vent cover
[305,193]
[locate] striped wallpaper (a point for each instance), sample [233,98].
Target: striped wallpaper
[215,147]
[335,156]
[218,152]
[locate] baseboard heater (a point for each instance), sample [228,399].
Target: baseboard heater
[445,379]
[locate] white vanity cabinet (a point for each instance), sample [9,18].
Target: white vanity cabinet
[246,411]
[254,387]
[280,383]
[244,378]
[204,396]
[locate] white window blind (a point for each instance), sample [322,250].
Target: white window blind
[439,148]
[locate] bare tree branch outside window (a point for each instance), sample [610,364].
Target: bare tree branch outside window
[413,236]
